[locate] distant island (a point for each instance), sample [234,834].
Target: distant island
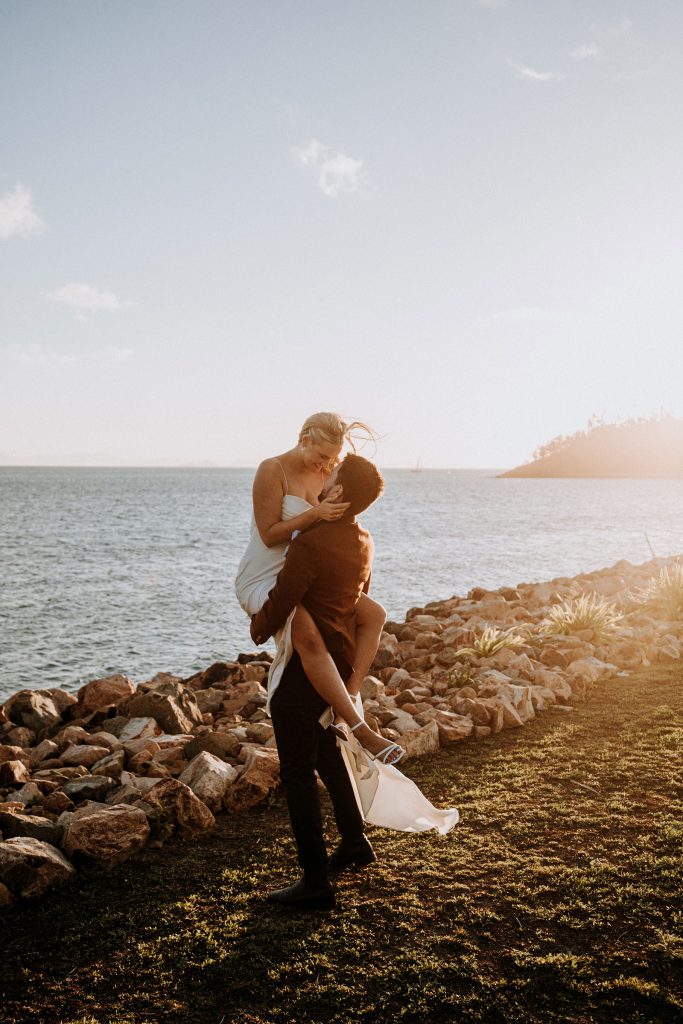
[635,448]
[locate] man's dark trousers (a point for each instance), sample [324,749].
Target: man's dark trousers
[304,746]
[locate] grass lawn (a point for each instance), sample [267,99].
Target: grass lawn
[559,898]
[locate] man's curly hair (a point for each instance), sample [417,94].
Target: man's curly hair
[362,482]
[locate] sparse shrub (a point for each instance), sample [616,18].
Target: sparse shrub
[590,611]
[491,641]
[161,824]
[461,675]
[664,595]
[532,638]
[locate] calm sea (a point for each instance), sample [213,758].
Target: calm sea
[131,570]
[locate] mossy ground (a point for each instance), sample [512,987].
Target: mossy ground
[559,898]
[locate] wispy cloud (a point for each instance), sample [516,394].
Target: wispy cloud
[589,51]
[85,300]
[528,74]
[32,354]
[18,215]
[36,355]
[630,54]
[515,315]
[616,28]
[114,354]
[338,174]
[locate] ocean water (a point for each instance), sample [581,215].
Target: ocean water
[131,570]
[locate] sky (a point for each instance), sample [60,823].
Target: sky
[457,220]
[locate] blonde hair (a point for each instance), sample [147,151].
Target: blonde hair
[330,428]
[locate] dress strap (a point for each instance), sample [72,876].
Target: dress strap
[284,475]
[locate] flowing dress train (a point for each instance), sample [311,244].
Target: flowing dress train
[387,797]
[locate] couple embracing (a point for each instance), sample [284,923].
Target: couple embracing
[304,579]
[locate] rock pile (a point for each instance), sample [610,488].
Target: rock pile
[92,778]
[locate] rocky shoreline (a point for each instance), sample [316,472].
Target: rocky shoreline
[90,779]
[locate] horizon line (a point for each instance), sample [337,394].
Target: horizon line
[212,465]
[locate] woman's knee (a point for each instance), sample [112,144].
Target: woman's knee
[378,614]
[370,612]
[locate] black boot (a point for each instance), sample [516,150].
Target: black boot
[305,894]
[346,856]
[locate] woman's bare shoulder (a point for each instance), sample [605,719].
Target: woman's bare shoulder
[269,476]
[268,466]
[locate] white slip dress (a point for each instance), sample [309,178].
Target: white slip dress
[256,576]
[385,796]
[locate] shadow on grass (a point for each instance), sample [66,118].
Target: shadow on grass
[557,899]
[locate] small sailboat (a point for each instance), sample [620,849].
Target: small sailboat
[417,468]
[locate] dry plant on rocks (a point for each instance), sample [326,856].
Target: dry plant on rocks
[588,612]
[665,593]
[491,641]
[461,675]
[533,638]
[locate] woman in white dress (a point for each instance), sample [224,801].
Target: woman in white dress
[286,495]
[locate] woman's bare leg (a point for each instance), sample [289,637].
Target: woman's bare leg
[370,619]
[324,677]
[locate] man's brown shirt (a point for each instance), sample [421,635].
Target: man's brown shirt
[326,570]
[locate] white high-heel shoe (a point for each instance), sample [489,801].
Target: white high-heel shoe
[385,753]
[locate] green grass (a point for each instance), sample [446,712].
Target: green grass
[559,898]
